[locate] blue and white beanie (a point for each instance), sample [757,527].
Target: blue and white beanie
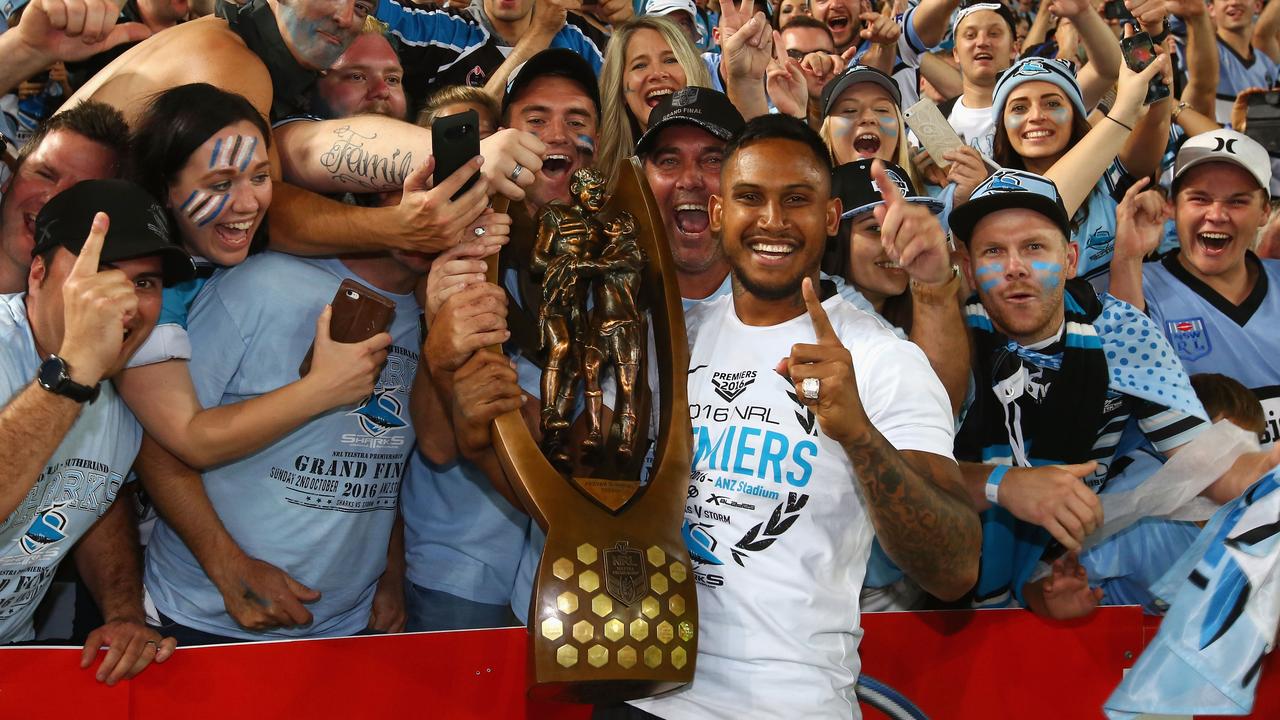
[1050,70]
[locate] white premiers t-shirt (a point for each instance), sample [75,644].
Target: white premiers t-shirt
[776,529]
[974,125]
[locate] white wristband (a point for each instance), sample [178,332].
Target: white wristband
[992,488]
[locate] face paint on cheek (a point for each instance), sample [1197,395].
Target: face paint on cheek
[586,144]
[1061,115]
[989,276]
[1050,273]
[888,125]
[842,130]
[203,207]
[1013,123]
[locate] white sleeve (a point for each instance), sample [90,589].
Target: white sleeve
[903,397]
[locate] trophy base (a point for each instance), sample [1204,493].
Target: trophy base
[600,692]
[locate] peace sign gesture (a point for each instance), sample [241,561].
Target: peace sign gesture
[97,307]
[746,41]
[823,375]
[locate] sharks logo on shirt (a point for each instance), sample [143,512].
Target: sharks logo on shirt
[380,413]
[49,527]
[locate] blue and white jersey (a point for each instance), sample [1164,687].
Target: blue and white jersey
[1212,335]
[442,46]
[76,486]
[1095,226]
[319,503]
[780,619]
[1237,74]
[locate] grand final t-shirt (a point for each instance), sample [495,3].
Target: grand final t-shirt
[319,503]
[776,530]
[76,486]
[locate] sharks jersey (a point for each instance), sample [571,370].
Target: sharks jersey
[1212,335]
[775,526]
[76,486]
[1237,74]
[319,503]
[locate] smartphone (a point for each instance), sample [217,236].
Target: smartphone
[455,141]
[1139,52]
[1263,123]
[1116,10]
[359,313]
[932,129]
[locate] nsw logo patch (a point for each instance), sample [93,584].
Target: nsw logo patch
[1189,338]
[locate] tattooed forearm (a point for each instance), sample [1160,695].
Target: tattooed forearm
[933,535]
[350,161]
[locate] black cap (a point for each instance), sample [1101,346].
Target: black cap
[553,61]
[704,107]
[139,226]
[853,75]
[852,183]
[1007,189]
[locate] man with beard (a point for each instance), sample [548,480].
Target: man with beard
[1212,297]
[682,151]
[367,79]
[1060,374]
[87,142]
[877,460]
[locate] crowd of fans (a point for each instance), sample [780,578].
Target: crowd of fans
[920,377]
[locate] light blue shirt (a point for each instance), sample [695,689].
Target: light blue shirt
[76,486]
[319,503]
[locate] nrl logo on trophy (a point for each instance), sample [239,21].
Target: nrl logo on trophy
[614,607]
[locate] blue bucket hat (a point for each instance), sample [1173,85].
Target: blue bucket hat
[1050,70]
[1007,189]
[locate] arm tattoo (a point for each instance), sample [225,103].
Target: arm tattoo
[348,161]
[929,533]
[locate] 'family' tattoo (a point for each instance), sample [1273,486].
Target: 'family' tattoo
[348,161]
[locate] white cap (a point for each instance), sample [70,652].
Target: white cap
[666,7]
[1225,146]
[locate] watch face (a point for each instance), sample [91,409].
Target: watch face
[53,371]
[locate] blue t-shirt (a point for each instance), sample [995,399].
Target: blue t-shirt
[319,503]
[1212,335]
[1095,230]
[77,485]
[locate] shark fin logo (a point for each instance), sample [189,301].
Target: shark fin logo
[380,413]
[700,543]
[47,528]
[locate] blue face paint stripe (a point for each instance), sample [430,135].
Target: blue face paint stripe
[213,157]
[190,197]
[248,153]
[216,211]
[986,285]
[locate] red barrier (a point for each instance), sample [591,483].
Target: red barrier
[989,664]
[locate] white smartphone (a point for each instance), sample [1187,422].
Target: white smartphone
[932,129]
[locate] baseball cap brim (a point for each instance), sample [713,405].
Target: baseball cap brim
[650,137]
[836,87]
[560,62]
[933,205]
[1263,182]
[965,217]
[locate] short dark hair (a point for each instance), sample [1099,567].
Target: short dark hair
[808,21]
[178,121]
[96,121]
[779,127]
[1225,396]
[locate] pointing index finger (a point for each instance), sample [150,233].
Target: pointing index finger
[822,329]
[888,190]
[91,252]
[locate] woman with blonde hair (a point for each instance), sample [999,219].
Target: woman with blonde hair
[648,57]
[862,120]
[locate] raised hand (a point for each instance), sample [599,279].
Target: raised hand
[458,268]
[75,29]
[837,405]
[911,235]
[746,42]
[1139,222]
[880,27]
[471,319]
[345,373]
[1069,8]
[967,170]
[434,219]
[1055,498]
[1131,89]
[97,308]
[785,82]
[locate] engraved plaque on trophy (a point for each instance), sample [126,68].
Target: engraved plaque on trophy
[614,608]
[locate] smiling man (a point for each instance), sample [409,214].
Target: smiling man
[683,151]
[554,96]
[366,79]
[849,453]
[66,439]
[1213,297]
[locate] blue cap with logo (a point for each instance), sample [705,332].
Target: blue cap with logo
[858,192]
[1007,189]
[1050,70]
